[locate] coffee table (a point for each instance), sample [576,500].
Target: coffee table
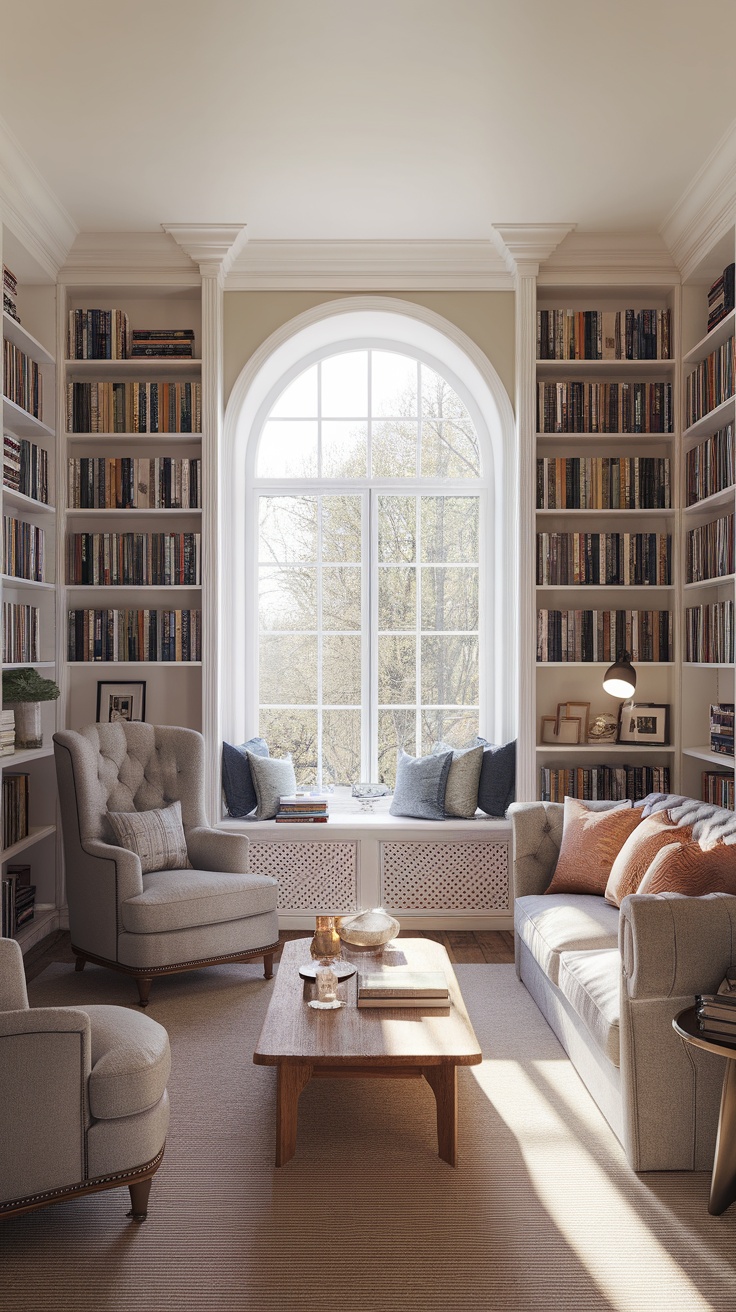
[389,1043]
[723,1179]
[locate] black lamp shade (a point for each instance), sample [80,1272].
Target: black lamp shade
[620,678]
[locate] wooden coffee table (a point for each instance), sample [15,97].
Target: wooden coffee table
[391,1042]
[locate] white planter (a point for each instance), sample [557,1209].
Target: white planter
[28,731]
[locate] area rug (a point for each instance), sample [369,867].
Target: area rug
[542,1211]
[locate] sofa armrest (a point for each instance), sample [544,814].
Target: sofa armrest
[674,946]
[124,867]
[209,849]
[537,830]
[41,1021]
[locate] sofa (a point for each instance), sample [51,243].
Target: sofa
[609,982]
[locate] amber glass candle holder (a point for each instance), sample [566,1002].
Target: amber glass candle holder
[326,942]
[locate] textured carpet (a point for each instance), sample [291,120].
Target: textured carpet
[542,1212]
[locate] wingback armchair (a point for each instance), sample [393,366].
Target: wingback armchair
[167,920]
[83,1093]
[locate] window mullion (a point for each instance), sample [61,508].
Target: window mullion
[418,628]
[370,631]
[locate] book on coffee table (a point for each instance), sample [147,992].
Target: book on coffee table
[403,988]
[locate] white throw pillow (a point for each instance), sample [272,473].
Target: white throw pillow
[157,837]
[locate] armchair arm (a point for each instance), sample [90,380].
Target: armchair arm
[210,849]
[41,1021]
[13,995]
[537,829]
[673,946]
[123,866]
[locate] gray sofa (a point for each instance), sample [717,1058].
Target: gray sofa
[609,983]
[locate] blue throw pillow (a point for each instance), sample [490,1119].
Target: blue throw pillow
[497,778]
[420,786]
[237,780]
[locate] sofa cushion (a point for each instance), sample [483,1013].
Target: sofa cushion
[184,899]
[691,869]
[591,982]
[591,841]
[157,836]
[639,851]
[552,924]
[130,1062]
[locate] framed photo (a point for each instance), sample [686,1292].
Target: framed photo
[560,729]
[581,710]
[643,724]
[121,701]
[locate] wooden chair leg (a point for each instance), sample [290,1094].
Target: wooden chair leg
[144,988]
[268,964]
[80,963]
[139,1199]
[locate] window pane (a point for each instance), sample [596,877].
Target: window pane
[449,450]
[397,597]
[450,671]
[455,728]
[344,448]
[288,669]
[299,399]
[345,385]
[287,598]
[394,448]
[341,683]
[341,747]
[450,529]
[440,401]
[397,529]
[293,731]
[288,449]
[449,598]
[341,597]
[395,729]
[396,669]
[342,529]
[288,529]
[393,384]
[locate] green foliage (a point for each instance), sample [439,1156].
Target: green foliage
[27,685]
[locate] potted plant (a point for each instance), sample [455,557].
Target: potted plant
[23,692]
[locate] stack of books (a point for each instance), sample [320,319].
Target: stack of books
[18,900]
[163,343]
[10,291]
[403,988]
[98,335]
[7,733]
[721,728]
[716,1013]
[302,809]
[15,808]
[721,297]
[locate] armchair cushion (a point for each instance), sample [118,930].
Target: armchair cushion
[186,899]
[131,1062]
[273,778]
[156,836]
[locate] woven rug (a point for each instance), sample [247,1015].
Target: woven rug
[542,1212]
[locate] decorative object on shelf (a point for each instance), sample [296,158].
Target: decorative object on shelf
[326,942]
[117,702]
[344,969]
[619,679]
[579,709]
[603,729]
[326,982]
[561,729]
[368,929]
[23,692]
[643,724]
[367,794]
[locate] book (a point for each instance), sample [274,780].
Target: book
[289,818]
[721,1029]
[394,1001]
[403,984]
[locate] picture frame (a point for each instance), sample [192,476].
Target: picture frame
[121,702]
[643,724]
[580,710]
[560,730]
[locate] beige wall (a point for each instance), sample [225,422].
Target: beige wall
[486,317]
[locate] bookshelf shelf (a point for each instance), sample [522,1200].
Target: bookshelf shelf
[584,588]
[148,440]
[26,757]
[717,582]
[22,665]
[150,367]
[15,332]
[35,834]
[714,502]
[148,512]
[610,369]
[135,665]
[11,581]
[718,335]
[602,749]
[637,515]
[26,505]
[600,440]
[45,919]
[722,414]
[705,754]
[22,423]
[113,589]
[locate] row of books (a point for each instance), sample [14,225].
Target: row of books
[134,407]
[709,633]
[23,549]
[721,728]
[709,550]
[710,383]
[603,483]
[121,483]
[596,782]
[162,343]
[134,635]
[26,467]
[22,382]
[718,788]
[15,791]
[601,635]
[302,808]
[423,990]
[604,334]
[98,335]
[581,407]
[134,559]
[10,292]
[710,467]
[21,634]
[611,559]
[721,297]
[716,1015]
[17,902]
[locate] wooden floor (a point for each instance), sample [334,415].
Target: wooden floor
[483,945]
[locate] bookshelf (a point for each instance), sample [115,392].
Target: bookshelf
[602,512]
[29,603]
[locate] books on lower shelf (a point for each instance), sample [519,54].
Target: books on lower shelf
[23,549]
[21,642]
[721,297]
[718,788]
[582,407]
[608,559]
[134,635]
[709,633]
[709,550]
[15,807]
[601,635]
[106,335]
[162,343]
[721,728]
[25,468]
[18,899]
[403,988]
[710,383]
[603,483]
[566,334]
[603,782]
[134,407]
[22,381]
[302,808]
[121,483]
[710,467]
[134,559]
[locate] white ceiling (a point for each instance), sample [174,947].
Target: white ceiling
[367,119]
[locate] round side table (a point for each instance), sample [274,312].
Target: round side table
[723,1179]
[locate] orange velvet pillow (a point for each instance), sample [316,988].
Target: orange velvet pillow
[639,851]
[691,869]
[590,843]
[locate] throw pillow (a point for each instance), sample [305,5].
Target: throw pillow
[273,778]
[591,841]
[691,869]
[421,783]
[237,781]
[157,837]
[497,782]
[639,851]
[461,794]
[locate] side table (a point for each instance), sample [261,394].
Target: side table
[723,1179]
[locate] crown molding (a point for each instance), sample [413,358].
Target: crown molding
[369,266]
[706,209]
[212,246]
[524,246]
[610,257]
[128,258]
[31,210]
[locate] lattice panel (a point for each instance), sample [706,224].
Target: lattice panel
[312,876]
[445,876]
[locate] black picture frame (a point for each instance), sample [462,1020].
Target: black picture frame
[124,701]
[644,724]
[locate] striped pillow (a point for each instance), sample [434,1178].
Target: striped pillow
[157,837]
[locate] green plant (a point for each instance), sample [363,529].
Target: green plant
[27,685]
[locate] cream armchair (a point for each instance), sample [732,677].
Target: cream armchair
[83,1093]
[168,920]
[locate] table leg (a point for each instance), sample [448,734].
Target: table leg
[443,1082]
[292,1077]
[723,1181]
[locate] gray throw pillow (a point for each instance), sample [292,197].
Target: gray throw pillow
[273,778]
[157,837]
[237,781]
[461,797]
[421,783]
[497,778]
